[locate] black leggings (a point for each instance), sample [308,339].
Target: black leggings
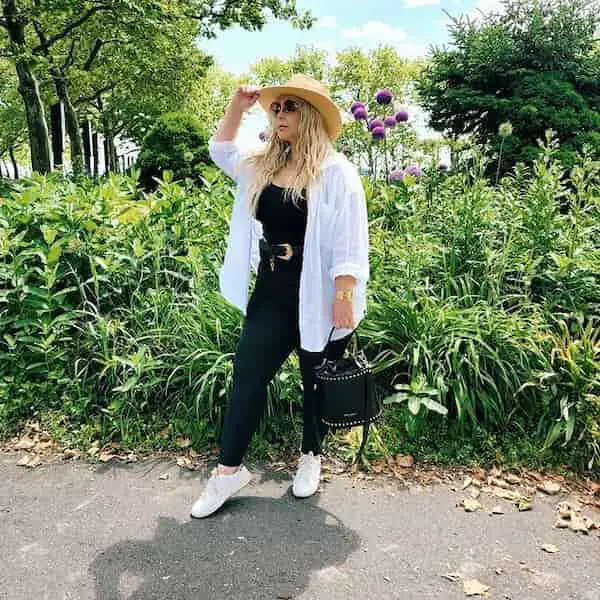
[269,334]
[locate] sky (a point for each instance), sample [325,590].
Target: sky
[411,26]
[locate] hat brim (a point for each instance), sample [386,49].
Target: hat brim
[327,107]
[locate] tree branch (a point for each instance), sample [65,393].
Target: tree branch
[69,60]
[93,54]
[73,25]
[95,95]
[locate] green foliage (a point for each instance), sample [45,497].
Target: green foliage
[483,313]
[535,65]
[178,142]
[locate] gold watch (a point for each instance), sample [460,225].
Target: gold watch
[343,294]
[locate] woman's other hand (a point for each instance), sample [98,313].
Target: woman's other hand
[343,317]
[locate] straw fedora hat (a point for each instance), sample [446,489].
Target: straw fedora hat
[311,90]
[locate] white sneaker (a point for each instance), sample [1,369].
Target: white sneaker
[308,475]
[219,488]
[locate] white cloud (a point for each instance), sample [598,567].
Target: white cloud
[377,30]
[375,33]
[419,3]
[327,22]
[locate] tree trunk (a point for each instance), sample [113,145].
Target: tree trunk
[57,134]
[11,152]
[95,150]
[86,134]
[110,152]
[29,90]
[36,119]
[72,122]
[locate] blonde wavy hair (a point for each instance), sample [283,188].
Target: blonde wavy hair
[312,147]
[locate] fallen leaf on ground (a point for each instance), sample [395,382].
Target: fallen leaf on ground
[470,504]
[568,506]
[497,510]
[472,587]
[29,460]
[164,476]
[525,505]
[549,487]
[475,492]
[550,548]
[405,460]
[506,494]
[25,444]
[498,482]
[71,453]
[467,482]
[578,523]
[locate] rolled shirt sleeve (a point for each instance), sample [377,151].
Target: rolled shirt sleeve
[351,228]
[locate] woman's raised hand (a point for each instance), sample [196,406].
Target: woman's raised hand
[245,97]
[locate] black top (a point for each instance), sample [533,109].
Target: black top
[282,220]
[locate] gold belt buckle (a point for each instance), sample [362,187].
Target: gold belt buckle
[288,252]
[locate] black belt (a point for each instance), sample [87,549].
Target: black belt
[281,251]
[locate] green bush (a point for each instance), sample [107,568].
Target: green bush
[483,297]
[178,142]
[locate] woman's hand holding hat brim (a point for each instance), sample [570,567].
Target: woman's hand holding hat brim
[246,96]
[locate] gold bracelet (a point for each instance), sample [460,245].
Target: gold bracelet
[343,294]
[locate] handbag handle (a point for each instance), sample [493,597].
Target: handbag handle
[355,330]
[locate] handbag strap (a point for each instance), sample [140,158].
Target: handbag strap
[354,331]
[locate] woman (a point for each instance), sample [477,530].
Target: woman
[299,220]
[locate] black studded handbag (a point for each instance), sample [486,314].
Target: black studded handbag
[347,392]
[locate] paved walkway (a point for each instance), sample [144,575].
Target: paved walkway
[115,531]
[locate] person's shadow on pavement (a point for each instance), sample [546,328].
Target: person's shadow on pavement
[251,549]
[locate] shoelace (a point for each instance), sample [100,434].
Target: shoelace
[307,460]
[213,483]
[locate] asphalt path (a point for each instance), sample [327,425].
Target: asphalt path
[76,530]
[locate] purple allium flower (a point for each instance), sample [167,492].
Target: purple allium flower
[384,96]
[401,116]
[378,133]
[356,105]
[414,170]
[375,123]
[396,175]
[390,122]
[360,114]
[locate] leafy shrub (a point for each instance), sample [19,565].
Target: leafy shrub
[178,142]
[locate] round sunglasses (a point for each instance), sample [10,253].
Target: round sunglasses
[289,106]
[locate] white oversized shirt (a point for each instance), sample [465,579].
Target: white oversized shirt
[336,242]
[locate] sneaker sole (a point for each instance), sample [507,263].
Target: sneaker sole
[216,508]
[304,495]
